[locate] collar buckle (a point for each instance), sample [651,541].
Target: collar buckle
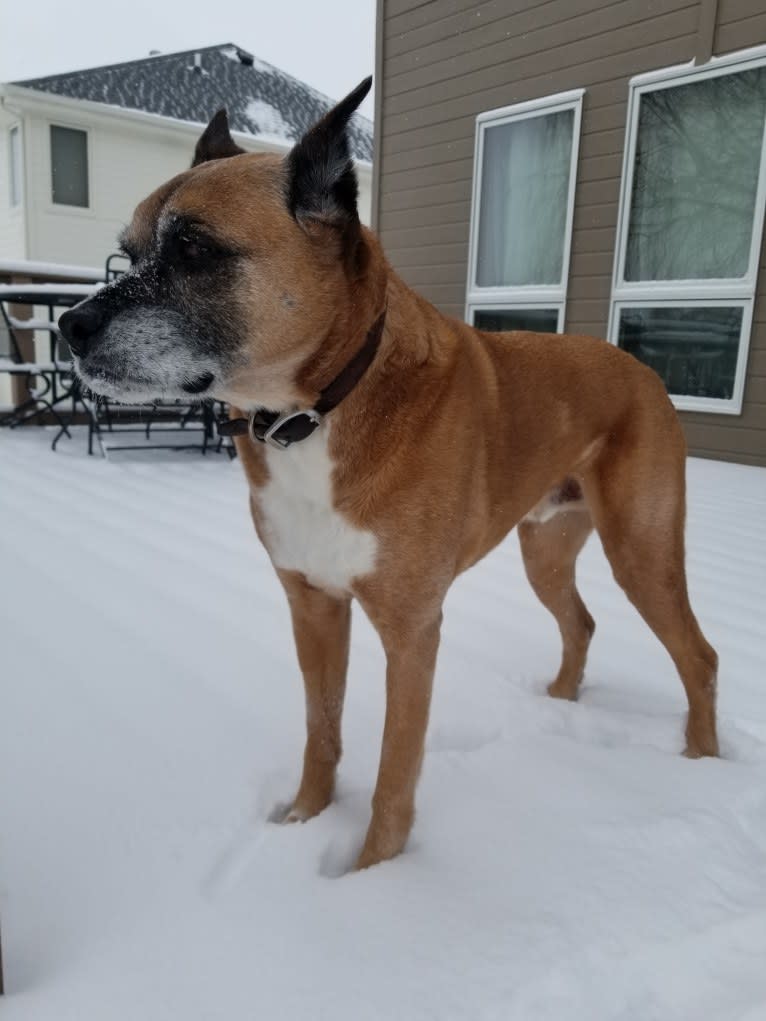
[280,434]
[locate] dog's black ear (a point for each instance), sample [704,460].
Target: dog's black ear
[215,142]
[321,180]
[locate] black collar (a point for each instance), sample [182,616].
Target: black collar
[280,429]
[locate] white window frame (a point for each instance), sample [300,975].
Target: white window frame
[710,293]
[63,208]
[534,296]
[15,166]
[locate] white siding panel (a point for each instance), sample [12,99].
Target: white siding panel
[12,243]
[126,163]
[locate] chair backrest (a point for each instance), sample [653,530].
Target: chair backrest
[9,347]
[60,349]
[116,265]
[5,341]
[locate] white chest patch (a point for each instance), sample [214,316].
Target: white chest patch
[302,530]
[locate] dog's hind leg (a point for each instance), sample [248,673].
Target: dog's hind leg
[550,549]
[322,628]
[636,493]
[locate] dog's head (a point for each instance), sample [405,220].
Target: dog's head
[243,267]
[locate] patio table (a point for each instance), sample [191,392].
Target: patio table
[59,384]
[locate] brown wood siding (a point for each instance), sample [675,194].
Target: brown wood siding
[442,62]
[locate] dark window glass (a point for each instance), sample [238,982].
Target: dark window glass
[694,350]
[69,166]
[541,320]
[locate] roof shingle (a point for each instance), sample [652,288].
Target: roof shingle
[190,86]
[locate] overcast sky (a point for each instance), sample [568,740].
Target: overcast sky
[329,44]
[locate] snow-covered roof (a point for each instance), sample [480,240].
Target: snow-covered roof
[190,86]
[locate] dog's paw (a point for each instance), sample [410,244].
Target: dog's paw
[695,750]
[284,812]
[297,811]
[566,690]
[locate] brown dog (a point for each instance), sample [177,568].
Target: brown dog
[399,446]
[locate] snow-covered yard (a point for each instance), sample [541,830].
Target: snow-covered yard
[566,862]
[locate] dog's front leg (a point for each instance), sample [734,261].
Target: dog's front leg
[411,659]
[322,626]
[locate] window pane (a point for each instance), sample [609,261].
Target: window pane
[541,320]
[697,162]
[524,191]
[694,350]
[15,168]
[69,166]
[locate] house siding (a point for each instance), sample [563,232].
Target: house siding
[12,233]
[124,165]
[127,160]
[443,62]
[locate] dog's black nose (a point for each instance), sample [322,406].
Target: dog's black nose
[79,324]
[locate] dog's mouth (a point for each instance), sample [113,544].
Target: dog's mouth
[131,387]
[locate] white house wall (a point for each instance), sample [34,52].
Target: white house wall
[125,164]
[127,160]
[364,175]
[12,240]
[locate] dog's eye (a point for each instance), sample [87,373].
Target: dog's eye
[191,250]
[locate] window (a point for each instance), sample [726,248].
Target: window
[69,166]
[521,221]
[543,320]
[15,169]
[690,225]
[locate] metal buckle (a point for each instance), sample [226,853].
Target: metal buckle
[270,436]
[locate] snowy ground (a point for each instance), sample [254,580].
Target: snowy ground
[566,862]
